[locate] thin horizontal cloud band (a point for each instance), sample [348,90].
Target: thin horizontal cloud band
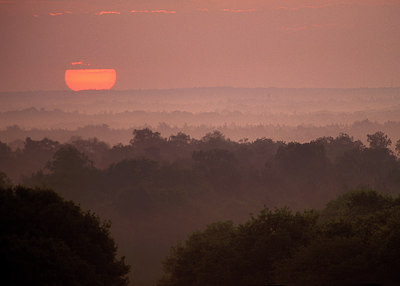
[161,11]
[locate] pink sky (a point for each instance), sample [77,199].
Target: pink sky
[194,43]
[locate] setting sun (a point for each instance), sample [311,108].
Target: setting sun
[86,79]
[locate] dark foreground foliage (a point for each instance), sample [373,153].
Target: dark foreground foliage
[45,240]
[354,240]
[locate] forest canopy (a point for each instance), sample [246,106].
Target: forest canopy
[157,190]
[353,241]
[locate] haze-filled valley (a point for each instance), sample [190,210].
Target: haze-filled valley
[161,168]
[200,143]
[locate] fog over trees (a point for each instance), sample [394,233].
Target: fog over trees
[158,190]
[280,114]
[200,142]
[245,185]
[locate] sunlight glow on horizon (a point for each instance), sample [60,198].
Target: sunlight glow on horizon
[90,79]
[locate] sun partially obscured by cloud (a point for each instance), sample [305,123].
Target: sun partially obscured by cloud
[90,79]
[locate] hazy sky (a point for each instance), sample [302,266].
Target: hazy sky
[193,43]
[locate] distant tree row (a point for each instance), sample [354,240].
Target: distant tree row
[267,170]
[146,143]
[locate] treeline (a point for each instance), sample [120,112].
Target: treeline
[156,190]
[114,133]
[354,240]
[290,115]
[220,165]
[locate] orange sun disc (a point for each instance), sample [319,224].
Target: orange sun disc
[87,79]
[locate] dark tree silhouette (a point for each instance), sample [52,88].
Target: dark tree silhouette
[354,241]
[45,240]
[146,137]
[68,159]
[5,182]
[224,254]
[378,140]
[398,147]
[179,140]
